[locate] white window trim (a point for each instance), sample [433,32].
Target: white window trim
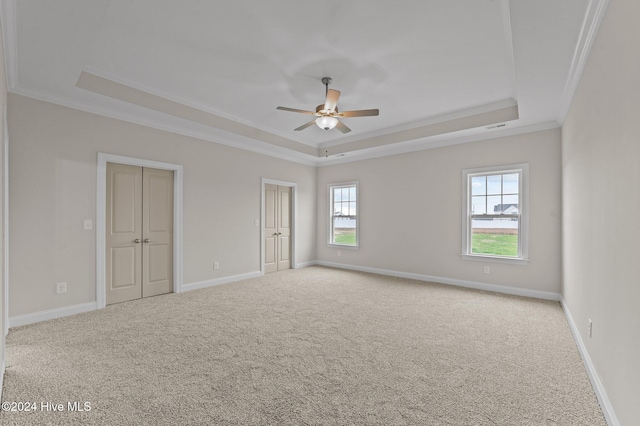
[523,237]
[330,214]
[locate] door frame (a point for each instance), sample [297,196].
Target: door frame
[294,216]
[5,227]
[101,205]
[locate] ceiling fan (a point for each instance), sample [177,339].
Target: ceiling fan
[327,114]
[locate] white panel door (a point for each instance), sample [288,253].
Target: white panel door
[157,231]
[123,233]
[277,228]
[284,228]
[270,228]
[139,230]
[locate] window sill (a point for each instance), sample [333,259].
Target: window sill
[495,259]
[343,246]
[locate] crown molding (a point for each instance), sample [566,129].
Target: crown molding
[240,142]
[188,103]
[108,89]
[211,134]
[508,38]
[9,39]
[439,119]
[433,142]
[592,20]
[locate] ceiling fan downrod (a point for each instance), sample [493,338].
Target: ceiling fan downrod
[327,81]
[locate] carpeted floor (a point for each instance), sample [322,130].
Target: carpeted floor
[307,346]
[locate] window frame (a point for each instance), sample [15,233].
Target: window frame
[523,213]
[330,233]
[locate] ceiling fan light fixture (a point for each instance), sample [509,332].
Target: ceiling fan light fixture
[326,122]
[328,111]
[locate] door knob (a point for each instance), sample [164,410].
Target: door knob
[146,240]
[137,240]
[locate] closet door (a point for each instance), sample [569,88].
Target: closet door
[123,233]
[157,231]
[270,228]
[139,232]
[277,228]
[284,228]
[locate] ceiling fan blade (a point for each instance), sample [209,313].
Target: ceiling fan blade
[302,111]
[332,100]
[304,126]
[359,113]
[341,126]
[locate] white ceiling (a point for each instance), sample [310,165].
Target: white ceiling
[440,71]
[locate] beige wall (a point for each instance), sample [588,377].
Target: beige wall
[53,157]
[601,231]
[410,211]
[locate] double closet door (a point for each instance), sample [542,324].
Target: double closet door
[139,232]
[277,228]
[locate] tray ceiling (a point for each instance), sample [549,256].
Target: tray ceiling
[441,72]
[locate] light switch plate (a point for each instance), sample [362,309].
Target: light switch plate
[88,224]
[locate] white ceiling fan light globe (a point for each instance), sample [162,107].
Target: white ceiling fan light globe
[327,123]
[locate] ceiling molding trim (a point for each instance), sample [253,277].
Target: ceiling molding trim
[469,112]
[433,142]
[508,38]
[201,107]
[121,92]
[237,141]
[10,40]
[592,20]
[482,120]
[215,135]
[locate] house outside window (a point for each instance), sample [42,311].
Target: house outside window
[343,214]
[495,217]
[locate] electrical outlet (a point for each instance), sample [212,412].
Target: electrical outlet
[88,224]
[590,327]
[216,265]
[61,288]
[256,222]
[487,269]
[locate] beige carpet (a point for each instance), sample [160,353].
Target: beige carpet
[310,346]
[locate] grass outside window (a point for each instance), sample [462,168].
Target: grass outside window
[495,244]
[345,237]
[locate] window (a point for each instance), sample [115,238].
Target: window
[495,215]
[343,205]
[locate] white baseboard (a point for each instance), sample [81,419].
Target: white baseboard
[219,281]
[547,295]
[596,383]
[34,317]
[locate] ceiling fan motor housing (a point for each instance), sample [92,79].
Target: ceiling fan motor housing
[320,110]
